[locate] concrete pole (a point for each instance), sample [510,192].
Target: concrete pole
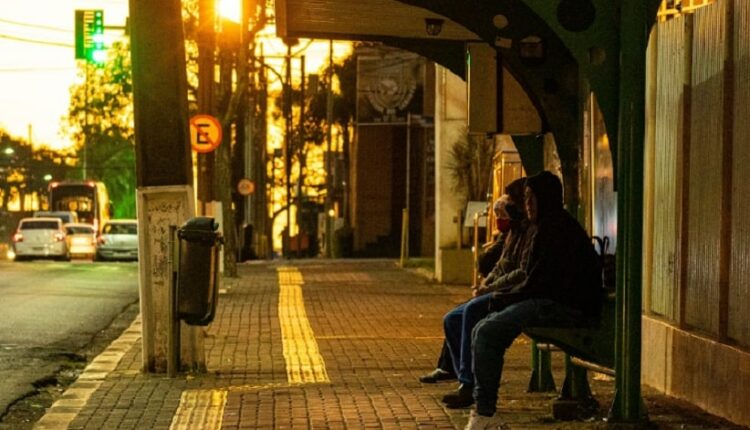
[206,100]
[163,170]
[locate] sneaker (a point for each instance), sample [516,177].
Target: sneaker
[481,422]
[437,375]
[461,398]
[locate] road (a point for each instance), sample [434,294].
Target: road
[50,311]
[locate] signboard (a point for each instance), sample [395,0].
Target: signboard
[205,133]
[245,187]
[476,208]
[389,84]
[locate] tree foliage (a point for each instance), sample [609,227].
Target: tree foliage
[470,166]
[26,170]
[100,123]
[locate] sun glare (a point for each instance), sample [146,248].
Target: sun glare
[230,9]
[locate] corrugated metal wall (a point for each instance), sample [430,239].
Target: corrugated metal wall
[669,119]
[739,279]
[704,217]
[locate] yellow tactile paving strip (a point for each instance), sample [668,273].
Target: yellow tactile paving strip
[304,364]
[204,409]
[200,409]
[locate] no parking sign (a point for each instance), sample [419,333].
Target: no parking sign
[205,133]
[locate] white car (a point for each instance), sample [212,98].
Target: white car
[40,238]
[118,241]
[81,239]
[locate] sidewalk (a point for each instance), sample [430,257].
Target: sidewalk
[323,345]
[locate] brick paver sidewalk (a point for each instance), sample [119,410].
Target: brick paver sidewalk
[310,345]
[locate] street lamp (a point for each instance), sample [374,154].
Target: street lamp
[9,151]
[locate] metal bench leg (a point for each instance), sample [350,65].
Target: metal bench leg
[541,370]
[576,400]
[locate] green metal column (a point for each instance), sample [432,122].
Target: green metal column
[634,28]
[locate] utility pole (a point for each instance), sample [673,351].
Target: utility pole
[85,121]
[287,149]
[329,155]
[163,171]
[300,152]
[206,60]
[265,226]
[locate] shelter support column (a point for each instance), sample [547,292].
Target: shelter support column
[451,265]
[483,85]
[634,28]
[163,170]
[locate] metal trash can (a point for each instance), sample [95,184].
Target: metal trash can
[197,290]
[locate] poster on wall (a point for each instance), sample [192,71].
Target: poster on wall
[389,86]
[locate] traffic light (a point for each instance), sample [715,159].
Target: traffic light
[90,36]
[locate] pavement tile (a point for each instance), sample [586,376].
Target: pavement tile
[376,328]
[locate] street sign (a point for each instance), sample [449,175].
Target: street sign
[245,187]
[205,133]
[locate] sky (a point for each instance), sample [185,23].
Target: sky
[36,76]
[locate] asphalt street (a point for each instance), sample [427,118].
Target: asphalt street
[50,311]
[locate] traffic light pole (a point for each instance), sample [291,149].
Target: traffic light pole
[85,121]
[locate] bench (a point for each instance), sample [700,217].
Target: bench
[587,348]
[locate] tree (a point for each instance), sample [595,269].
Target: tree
[470,166]
[25,171]
[100,123]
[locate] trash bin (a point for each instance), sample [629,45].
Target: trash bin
[198,270]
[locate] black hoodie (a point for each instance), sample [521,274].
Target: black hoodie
[560,263]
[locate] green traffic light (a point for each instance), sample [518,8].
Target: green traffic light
[90,36]
[98,56]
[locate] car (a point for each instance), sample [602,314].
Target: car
[118,241]
[42,237]
[81,239]
[67,217]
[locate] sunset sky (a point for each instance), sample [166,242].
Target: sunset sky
[37,66]
[36,73]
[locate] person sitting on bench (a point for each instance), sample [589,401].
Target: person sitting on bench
[562,288]
[507,226]
[459,322]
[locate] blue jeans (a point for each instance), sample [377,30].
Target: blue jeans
[458,324]
[494,334]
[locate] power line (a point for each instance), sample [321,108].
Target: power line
[45,27]
[39,42]
[35,69]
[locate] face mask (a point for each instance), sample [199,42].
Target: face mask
[502,224]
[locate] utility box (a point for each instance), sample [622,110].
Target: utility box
[198,270]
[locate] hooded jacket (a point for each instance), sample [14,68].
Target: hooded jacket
[489,259]
[560,261]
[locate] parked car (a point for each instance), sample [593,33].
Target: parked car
[67,217]
[118,241]
[81,239]
[40,238]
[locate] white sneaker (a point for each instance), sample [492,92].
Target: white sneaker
[481,422]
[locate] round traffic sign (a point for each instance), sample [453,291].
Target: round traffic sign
[205,133]
[246,187]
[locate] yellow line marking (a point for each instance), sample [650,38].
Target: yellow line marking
[200,410]
[304,364]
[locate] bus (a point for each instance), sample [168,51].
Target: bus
[88,199]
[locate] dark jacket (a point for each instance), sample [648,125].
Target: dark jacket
[491,255]
[560,263]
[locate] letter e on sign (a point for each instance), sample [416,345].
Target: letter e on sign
[205,133]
